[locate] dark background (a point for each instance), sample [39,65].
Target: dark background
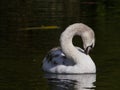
[23,46]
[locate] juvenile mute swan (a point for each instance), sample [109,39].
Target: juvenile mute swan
[69,59]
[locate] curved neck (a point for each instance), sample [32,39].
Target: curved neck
[67,46]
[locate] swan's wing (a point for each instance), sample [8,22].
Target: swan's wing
[53,53]
[56,57]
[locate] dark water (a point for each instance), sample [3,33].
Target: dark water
[28,29]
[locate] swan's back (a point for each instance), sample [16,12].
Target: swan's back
[56,57]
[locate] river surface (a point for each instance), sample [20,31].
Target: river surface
[29,29]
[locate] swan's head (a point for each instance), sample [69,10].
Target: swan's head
[87,35]
[88,47]
[88,41]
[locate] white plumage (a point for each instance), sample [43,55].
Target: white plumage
[70,59]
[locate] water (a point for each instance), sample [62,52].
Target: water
[22,50]
[71,82]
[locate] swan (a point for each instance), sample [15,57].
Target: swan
[69,59]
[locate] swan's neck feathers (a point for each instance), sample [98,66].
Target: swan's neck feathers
[67,46]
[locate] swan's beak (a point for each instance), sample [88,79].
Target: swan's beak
[87,50]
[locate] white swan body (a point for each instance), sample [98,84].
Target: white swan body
[68,58]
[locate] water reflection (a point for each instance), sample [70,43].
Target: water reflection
[71,82]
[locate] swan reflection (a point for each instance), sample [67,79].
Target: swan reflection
[71,82]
